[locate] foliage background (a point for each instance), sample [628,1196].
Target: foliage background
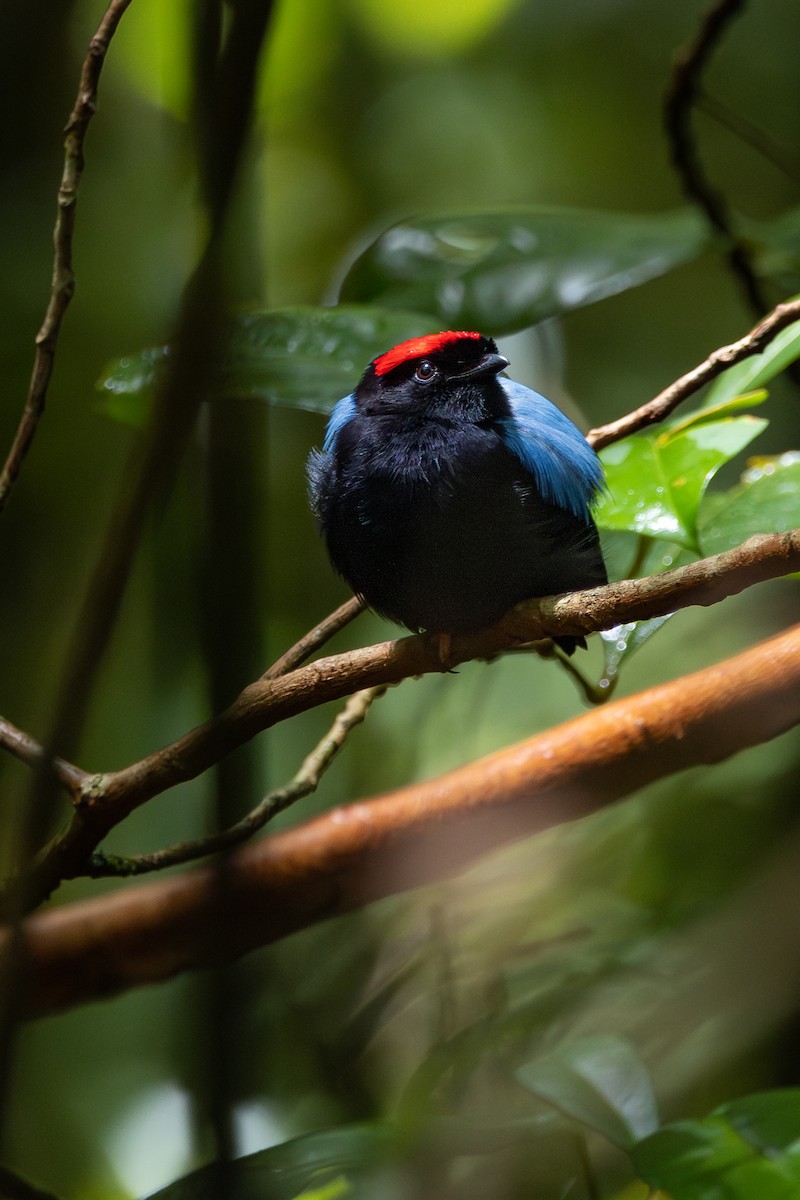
[369,113]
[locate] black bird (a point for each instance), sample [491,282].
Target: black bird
[447,493]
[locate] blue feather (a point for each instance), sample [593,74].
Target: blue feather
[343,412]
[566,469]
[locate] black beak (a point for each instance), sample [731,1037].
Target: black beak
[490,364]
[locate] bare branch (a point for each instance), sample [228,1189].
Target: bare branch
[110,798]
[680,100]
[28,750]
[316,638]
[718,361]
[63,280]
[306,781]
[352,856]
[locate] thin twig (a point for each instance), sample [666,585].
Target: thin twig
[316,638]
[29,751]
[63,279]
[718,361]
[681,97]
[305,782]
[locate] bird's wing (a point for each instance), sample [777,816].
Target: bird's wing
[343,412]
[566,469]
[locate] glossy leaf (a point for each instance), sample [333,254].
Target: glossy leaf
[303,357]
[656,480]
[746,1150]
[599,1081]
[766,501]
[622,641]
[769,1121]
[502,271]
[322,1165]
[693,455]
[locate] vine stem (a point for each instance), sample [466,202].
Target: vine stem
[62,286]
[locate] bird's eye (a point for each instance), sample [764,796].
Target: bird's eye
[425,371]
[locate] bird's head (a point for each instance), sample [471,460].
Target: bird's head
[450,375]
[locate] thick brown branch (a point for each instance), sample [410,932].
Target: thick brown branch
[110,798]
[354,855]
[718,361]
[63,280]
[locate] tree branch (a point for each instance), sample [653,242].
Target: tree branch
[108,799]
[305,781]
[316,638]
[62,286]
[680,100]
[352,856]
[665,402]
[28,750]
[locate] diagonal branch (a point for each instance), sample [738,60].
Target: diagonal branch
[665,402]
[352,856]
[312,641]
[28,750]
[108,799]
[63,280]
[305,781]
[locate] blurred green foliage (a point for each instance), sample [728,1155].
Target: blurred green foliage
[405,1026]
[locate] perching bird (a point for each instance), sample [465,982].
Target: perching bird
[447,493]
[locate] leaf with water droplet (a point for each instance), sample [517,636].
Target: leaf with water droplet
[766,501]
[301,357]
[656,479]
[622,641]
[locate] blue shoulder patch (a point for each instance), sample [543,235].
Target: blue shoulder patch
[566,469]
[343,412]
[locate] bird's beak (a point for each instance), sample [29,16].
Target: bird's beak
[490,364]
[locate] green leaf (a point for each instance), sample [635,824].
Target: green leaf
[707,1160]
[601,1082]
[759,369]
[656,480]
[622,641]
[325,1166]
[692,455]
[302,357]
[768,1121]
[505,270]
[334,1190]
[766,501]
[776,247]
[715,412]
[746,1150]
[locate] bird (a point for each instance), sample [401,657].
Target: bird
[446,492]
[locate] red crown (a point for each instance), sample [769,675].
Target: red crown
[418,348]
